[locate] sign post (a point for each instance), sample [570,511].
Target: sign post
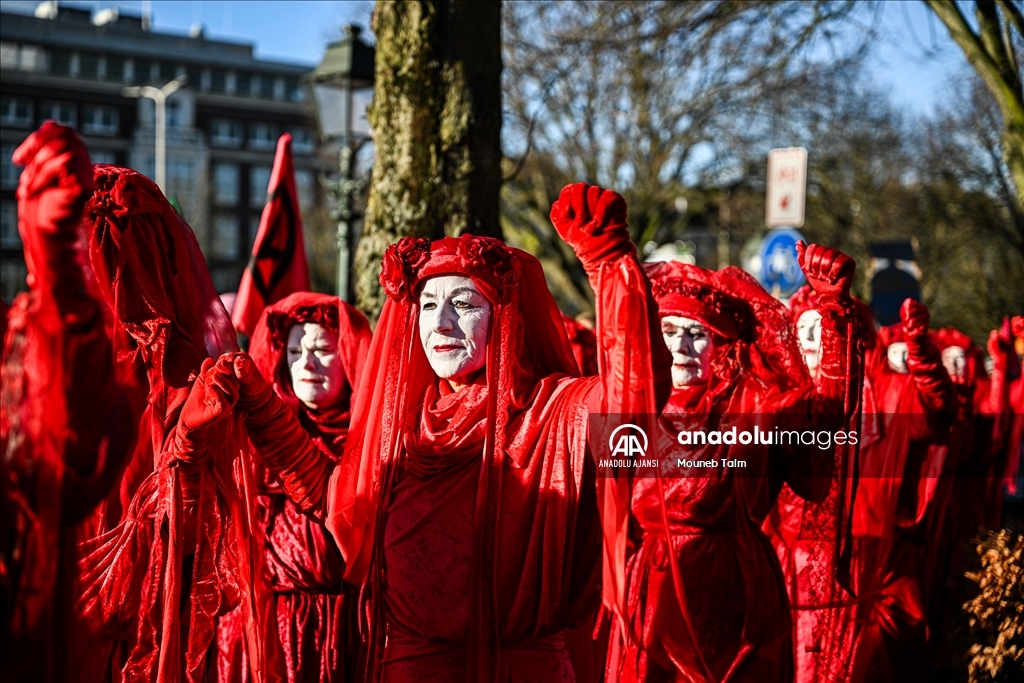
[787,185]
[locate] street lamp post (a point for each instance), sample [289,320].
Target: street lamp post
[345,70]
[159,97]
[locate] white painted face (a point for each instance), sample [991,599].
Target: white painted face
[808,329]
[954,359]
[897,355]
[455,318]
[318,378]
[691,347]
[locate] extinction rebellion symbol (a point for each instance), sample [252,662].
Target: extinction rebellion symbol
[628,444]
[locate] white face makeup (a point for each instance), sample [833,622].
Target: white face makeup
[691,347]
[808,329]
[897,355]
[318,378]
[954,359]
[455,318]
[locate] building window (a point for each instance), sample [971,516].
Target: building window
[225,184]
[9,237]
[141,70]
[263,136]
[100,120]
[243,83]
[302,141]
[115,68]
[175,114]
[16,111]
[60,62]
[89,65]
[61,112]
[224,242]
[278,88]
[11,171]
[25,57]
[259,179]
[168,72]
[291,90]
[305,185]
[266,87]
[32,58]
[8,55]
[103,156]
[12,278]
[218,81]
[225,133]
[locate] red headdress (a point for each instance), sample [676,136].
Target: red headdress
[270,338]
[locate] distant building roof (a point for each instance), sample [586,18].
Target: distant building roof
[116,32]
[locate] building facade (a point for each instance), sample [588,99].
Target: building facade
[72,66]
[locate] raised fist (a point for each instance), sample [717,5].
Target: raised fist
[915,319]
[829,271]
[57,178]
[1000,346]
[214,392]
[592,220]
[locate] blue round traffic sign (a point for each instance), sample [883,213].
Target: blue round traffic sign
[780,271]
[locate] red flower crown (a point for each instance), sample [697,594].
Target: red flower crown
[723,313]
[485,259]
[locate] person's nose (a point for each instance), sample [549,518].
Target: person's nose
[446,319]
[308,361]
[686,346]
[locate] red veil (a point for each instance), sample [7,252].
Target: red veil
[517,416]
[167,318]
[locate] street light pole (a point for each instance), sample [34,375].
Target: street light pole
[159,97]
[347,66]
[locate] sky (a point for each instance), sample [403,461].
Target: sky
[913,58]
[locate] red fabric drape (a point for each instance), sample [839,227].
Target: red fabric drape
[277,266]
[151,588]
[311,612]
[65,427]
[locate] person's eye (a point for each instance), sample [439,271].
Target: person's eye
[429,306]
[294,351]
[324,351]
[462,305]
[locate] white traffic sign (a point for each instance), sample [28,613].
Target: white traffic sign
[787,185]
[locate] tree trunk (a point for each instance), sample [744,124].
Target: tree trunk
[436,118]
[991,52]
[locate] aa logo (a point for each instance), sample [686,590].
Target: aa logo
[625,442]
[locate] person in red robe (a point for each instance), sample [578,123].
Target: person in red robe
[151,588]
[706,598]
[584,345]
[809,536]
[311,348]
[66,430]
[465,503]
[899,477]
[968,499]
